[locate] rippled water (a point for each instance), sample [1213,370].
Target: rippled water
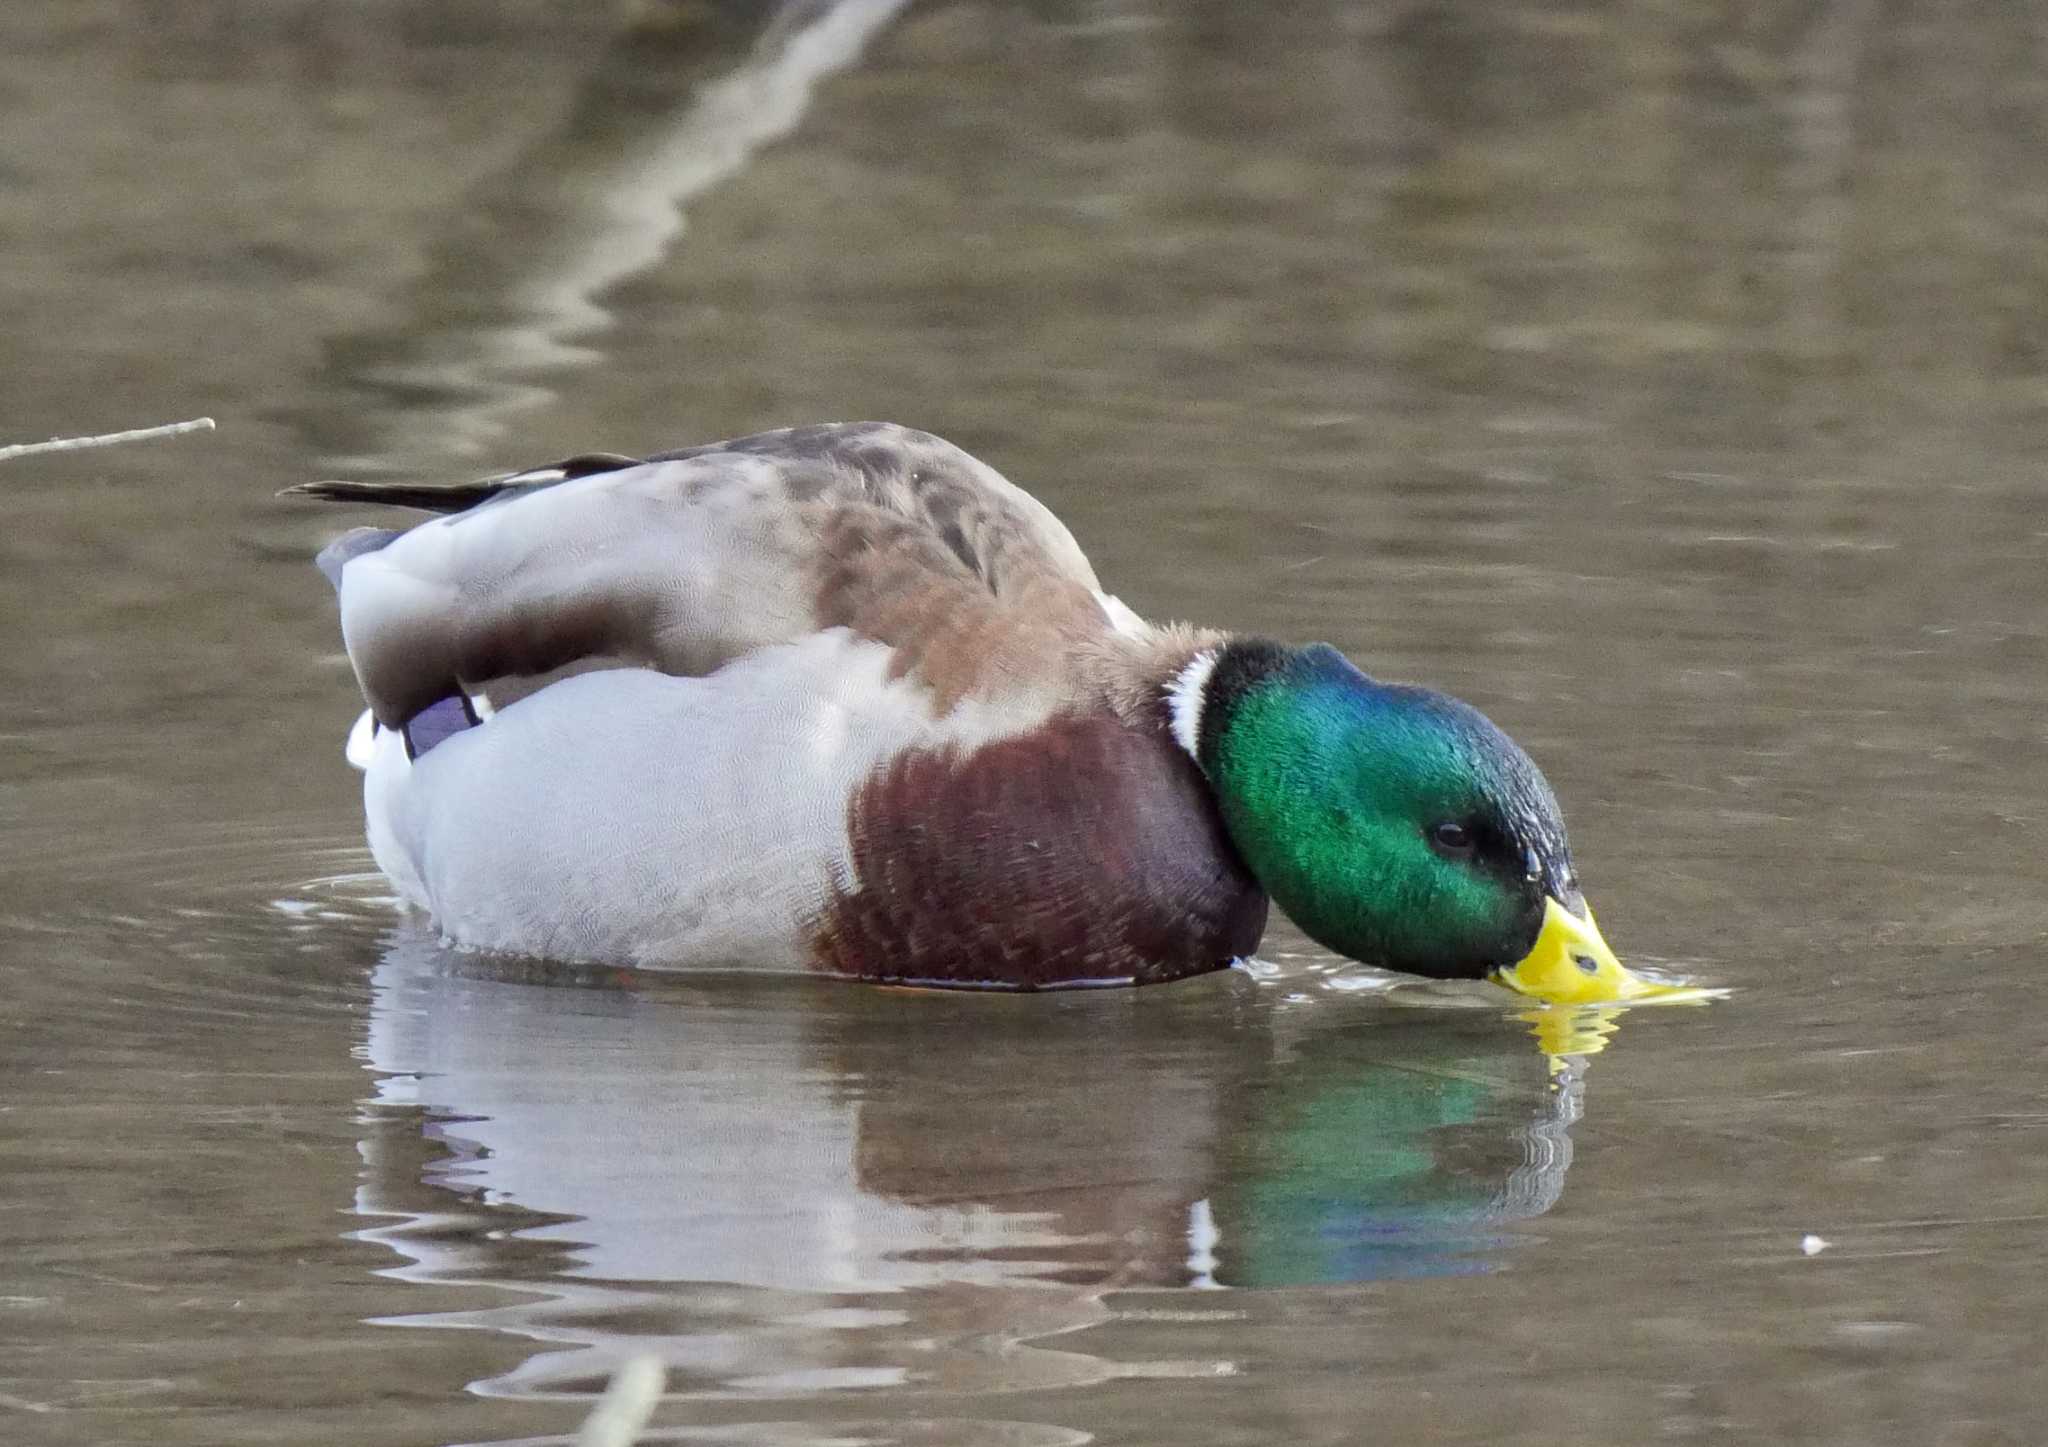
[1675,387]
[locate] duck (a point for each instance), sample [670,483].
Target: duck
[843,699]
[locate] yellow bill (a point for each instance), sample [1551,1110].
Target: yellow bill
[1571,965]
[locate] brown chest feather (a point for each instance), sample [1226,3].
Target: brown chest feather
[1082,852]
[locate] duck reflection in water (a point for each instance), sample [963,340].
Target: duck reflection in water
[787,1185]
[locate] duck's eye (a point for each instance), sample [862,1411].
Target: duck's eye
[1451,839]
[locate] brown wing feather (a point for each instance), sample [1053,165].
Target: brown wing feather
[886,578]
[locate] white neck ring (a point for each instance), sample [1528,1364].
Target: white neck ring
[1186,696]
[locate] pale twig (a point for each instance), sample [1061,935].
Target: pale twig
[105,439]
[625,1406]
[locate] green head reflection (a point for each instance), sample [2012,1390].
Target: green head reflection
[1405,1156]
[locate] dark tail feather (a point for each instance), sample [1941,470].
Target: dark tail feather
[351,544]
[401,494]
[463,496]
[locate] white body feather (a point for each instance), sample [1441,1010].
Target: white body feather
[624,816]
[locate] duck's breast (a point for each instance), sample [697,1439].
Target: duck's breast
[1083,851]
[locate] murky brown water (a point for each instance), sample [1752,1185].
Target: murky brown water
[1676,388]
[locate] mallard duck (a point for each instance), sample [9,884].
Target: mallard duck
[844,698]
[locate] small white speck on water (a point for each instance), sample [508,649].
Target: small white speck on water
[1812,1245]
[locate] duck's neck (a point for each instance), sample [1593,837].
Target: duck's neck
[1202,694]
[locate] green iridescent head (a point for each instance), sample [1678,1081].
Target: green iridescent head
[1393,823]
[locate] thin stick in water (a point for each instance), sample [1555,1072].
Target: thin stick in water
[105,439]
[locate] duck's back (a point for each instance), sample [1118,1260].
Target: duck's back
[687,560]
[853,701]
